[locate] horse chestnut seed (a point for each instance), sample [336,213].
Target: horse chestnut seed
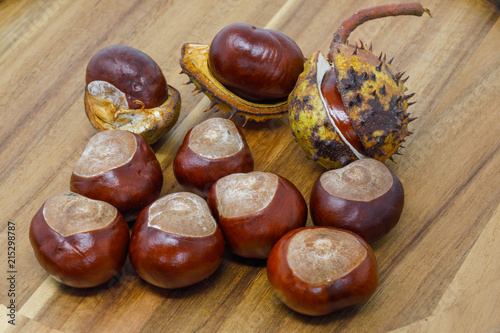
[126,75]
[118,167]
[258,65]
[364,197]
[319,270]
[255,210]
[176,241]
[211,150]
[80,242]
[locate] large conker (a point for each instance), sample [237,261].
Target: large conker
[364,197]
[126,89]
[319,270]
[352,105]
[211,150]
[79,241]
[176,241]
[255,209]
[118,167]
[260,65]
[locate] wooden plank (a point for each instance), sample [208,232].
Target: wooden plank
[433,265]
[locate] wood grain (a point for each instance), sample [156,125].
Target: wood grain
[439,267]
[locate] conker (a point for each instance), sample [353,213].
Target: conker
[364,197]
[127,76]
[118,167]
[319,270]
[255,210]
[211,150]
[176,241]
[259,65]
[80,242]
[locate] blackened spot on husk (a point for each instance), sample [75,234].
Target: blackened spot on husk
[300,104]
[382,90]
[330,149]
[373,77]
[353,81]
[380,117]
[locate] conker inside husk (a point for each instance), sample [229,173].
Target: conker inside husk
[245,70]
[126,89]
[260,65]
[361,109]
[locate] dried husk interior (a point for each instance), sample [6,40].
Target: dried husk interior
[151,124]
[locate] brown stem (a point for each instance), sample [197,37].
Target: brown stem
[348,26]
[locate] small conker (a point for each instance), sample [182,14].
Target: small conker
[364,197]
[118,167]
[254,210]
[211,150]
[260,65]
[176,241]
[126,76]
[319,270]
[80,242]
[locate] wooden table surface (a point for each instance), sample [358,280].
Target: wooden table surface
[439,268]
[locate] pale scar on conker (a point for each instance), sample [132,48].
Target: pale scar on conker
[255,190]
[352,104]
[321,256]
[188,215]
[215,138]
[69,214]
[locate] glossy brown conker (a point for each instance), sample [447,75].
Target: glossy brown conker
[136,76]
[211,150]
[364,197]
[118,167]
[319,270]
[176,242]
[259,65]
[254,210]
[80,242]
